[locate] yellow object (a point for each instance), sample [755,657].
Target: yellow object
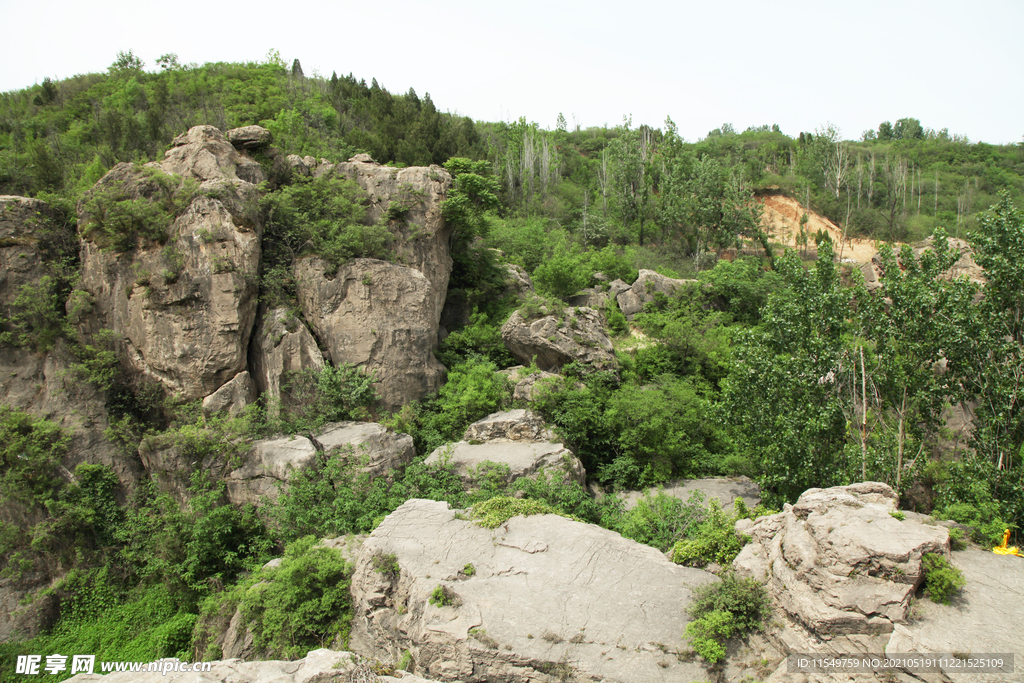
[1003,550]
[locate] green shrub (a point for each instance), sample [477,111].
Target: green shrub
[442,596]
[720,610]
[713,540]
[492,513]
[302,604]
[117,214]
[661,520]
[325,216]
[941,579]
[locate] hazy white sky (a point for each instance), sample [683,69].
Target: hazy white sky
[797,63]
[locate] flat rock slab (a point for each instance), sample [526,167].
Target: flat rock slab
[376,446]
[540,598]
[268,465]
[524,459]
[725,491]
[986,617]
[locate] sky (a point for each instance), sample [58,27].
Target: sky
[800,64]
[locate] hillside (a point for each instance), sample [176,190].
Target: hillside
[290,363]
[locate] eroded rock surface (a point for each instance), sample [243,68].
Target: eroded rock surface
[376,447]
[545,597]
[526,383]
[724,490]
[183,307]
[837,562]
[555,341]
[517,438]
[379,316]
[647,285]
[267,466]
[232,397]
[281,347]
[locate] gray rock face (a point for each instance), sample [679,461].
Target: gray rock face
[509,425]
[837,561]
[382,449]
[725,491]
[319,666]
[526,386]
[546,597]
[516,438]
[384,316]
[232,397]
[185,309]
[267,466]
[579,336]
[249,137]
[649,283]
[379,316]
[281,345]
[519,282]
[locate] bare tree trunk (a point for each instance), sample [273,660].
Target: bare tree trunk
[602,179]
[863,416]
[899,444]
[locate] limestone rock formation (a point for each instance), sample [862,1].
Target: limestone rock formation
[381,448]
[538,599]
[249,138]
[554,341]
[837,562]
[526,384]
[184,306]
[268,465]
[517,438]
[232,397]
[648,284]
[319,666]
[724,490]
[379,315]
[281,346]
[46,384]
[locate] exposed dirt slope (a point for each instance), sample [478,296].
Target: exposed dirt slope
[781,221]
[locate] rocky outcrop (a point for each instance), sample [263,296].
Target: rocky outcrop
[319,666]
[837,562]
[555,340]
[644,290]
[724,490]
[377,449]
[379,316]
[965,266]
[526,383]
[249,138]
[267,467]
[183,306]
[281,347]
[538,599]
[232,397]
[383,316]
[516,438]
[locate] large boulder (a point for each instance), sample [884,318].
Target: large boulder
[384,316]
[232,398]
[538,599]
[555,340]
[267,467]
[644,290]
[183,306]
[838,562]
[252,138]
[379,316]
[319,666]
[376,448]
[282,346]
[516,438]
[526,383]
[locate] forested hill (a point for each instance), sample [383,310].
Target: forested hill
[622,184]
